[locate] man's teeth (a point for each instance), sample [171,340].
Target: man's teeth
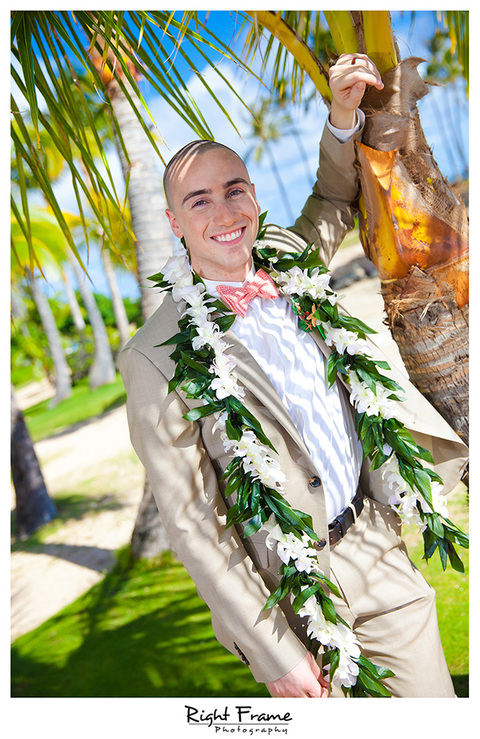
[229,237]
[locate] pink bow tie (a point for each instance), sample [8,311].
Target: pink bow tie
[238,298]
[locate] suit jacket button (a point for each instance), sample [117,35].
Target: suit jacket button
[315,481]
[320,544]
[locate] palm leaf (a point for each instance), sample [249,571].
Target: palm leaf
[49,47]
[379,42]
[457,22]
[292,31]
[343,32]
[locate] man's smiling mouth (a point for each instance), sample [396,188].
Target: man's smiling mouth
[226,238]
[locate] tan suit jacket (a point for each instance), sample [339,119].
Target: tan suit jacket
[184,461]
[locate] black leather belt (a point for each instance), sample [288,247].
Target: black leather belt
[339,527]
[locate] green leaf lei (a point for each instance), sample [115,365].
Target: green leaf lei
[259,501]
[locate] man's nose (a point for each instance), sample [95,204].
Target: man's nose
[224,214]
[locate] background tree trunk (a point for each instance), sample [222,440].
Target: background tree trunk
[34,507]
[154,245]
[117,301]
[102,370]
[149,538]
[154,240]
[73,304]
[63,384]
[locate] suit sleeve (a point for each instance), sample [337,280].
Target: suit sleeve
[328,212]
[193,513]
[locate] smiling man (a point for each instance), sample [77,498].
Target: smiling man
[212,205]
[279,372]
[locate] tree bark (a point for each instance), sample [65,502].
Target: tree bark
[63,384]
[118,305]
[154,240]
[78,321]
[149,538]
[34,507]
[102,370]
[154,245]
[415,230]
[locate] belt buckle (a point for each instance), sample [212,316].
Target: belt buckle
[342,523]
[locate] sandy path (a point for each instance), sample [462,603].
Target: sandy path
[99,455]
[75,557]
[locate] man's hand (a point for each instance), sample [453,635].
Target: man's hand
[304,681]
[349,77]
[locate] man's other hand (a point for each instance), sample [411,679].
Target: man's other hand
[349,77]
[304,681]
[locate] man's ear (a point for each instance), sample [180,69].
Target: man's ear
[174,223]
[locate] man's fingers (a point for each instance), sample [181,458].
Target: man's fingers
[351,68]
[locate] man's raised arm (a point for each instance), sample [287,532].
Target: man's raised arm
[328,214]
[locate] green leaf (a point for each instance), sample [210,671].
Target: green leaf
[375,670]
[196,413]
[233,432]
[328,608]
[179,338]
[200,368]
[225,322]
[249,419]
[359,327]
[304,595]
[235,462]
[255,524]
[422,480]
[455,560]
[233,514]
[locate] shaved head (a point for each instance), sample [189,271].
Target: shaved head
[193,149]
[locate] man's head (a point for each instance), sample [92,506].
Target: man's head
[212,204]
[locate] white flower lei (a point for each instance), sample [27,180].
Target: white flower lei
[373,400]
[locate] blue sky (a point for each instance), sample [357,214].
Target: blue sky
[434,110]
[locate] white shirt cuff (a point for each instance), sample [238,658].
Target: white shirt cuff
[345,134]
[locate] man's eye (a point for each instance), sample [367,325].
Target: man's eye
[235,191]
[198,202]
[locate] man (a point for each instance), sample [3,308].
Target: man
[212,206]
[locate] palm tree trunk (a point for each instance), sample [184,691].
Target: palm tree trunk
[75,310]
[154,246]
[154,241]
[121,318]
[102,370]
[149,538]
[34,507]
[63,384]
[415,229]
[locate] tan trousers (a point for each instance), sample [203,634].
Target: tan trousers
[390,605]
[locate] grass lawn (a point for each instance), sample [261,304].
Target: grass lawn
[143,631]
[43,421]
[452,594]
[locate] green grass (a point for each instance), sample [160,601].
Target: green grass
[43,421]
[452,595]
[142,632]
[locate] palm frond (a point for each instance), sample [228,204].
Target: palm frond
[52,48]
[296,35]
[458,25]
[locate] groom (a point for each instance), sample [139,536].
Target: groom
[212,205]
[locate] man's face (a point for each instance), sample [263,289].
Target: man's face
[213,206]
